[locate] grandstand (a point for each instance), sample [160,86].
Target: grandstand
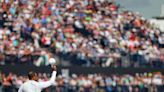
[159,20]
[82,33]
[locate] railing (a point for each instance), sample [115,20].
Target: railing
[24,69]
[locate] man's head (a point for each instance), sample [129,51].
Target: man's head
[32,76]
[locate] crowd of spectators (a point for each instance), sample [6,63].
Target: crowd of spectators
[84,32]
[148,82]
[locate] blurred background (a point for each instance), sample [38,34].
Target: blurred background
[99,45]
[147,8]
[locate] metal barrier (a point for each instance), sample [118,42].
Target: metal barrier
[23,69]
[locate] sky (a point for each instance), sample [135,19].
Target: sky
[147,8]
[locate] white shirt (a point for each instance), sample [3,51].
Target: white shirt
[34,86]
[157,81]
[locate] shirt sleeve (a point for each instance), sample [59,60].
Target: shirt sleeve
[20,89]
[46,84]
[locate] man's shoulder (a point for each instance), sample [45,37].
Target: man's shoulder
[29,82]
[30,86]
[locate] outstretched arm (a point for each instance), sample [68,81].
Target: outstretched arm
[46,84]
[20,89]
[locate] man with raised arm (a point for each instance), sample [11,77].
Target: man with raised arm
[32,85]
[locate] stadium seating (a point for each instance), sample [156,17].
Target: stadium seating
[80,32]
